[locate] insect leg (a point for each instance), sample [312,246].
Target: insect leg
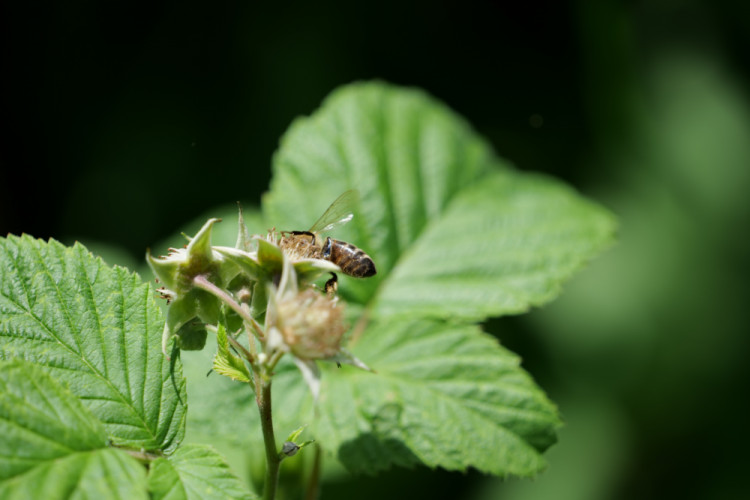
[332,285]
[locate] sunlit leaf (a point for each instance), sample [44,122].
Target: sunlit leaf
[53,447]
[501,246]
[457,236]
[443,395]
[96,329]
[194,473]
[405,153]
[454,231]
[225,362]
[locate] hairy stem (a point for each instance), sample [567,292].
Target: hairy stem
[272,455]
[262,397]
[202,283]
[241,350]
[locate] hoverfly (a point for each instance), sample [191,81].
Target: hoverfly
[309,244]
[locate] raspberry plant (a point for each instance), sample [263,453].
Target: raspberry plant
[94,399]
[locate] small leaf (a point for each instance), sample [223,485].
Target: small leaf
[224,413]
[296,433]
[444,395]
[53,447]
[310,269]
[269,257]
[224,234]
[244,238]
[195,472]
[243,260]
[96,329]
[226,363]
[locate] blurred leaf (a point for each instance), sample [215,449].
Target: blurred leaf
[96,329]
[661,321]
[695,136]
[55,448]
[194,473]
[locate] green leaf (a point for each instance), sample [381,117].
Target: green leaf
[405,153]
[53,447]
[501,246]
[223,234]
[444,395]
[457,236]
[269,257]
[226,363]
[96,329]
[224,413]
[194,473]
[453,231]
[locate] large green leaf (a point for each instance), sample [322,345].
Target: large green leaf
[406,154]
[454,231]
[501,246]
[437,387]
[194,473]
[457,236]
[53,447]
[98,330]
[444,395]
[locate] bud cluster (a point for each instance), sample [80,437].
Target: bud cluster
[258,287]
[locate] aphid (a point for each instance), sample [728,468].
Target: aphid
[309,244]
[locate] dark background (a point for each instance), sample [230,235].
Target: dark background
[124,120]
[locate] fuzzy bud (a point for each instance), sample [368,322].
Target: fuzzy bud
[311,324]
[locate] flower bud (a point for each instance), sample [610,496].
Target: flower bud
[311,324]
[178,272]
[289,449]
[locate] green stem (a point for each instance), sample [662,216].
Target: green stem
[273,360]
[313,486]
[262,397]
[272,455]
[142,456]
[201,282]
[241,349]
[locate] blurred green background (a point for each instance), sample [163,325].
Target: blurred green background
[125,120]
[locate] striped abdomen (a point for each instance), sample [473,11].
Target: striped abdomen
[351,260]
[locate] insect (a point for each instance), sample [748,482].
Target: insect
[309,244]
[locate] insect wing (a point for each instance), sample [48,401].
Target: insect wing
[339,213]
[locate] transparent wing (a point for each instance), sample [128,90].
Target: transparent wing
[339,213]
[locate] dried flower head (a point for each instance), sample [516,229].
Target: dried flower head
[311,324]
